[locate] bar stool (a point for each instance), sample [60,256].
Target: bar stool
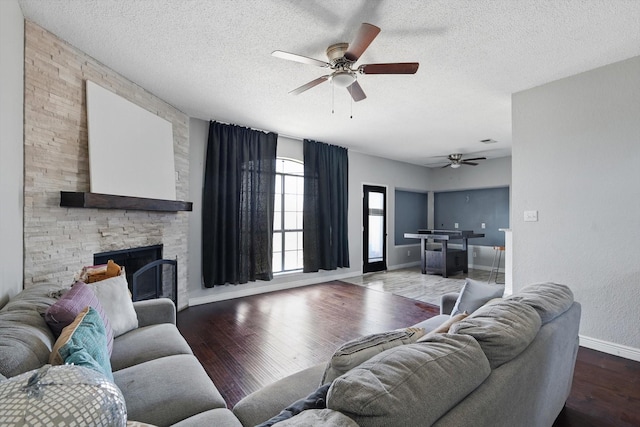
[496,267]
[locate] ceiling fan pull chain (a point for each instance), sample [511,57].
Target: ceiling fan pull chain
[351,93]
[332,98]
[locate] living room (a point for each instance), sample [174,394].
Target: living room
[574,148]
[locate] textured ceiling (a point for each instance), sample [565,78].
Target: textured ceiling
[212,60]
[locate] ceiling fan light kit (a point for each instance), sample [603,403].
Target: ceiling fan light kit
[342,58]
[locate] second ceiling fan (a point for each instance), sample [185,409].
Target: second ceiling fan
[342,58]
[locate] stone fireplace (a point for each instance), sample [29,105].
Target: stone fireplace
[59,241]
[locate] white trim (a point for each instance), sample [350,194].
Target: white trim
[610,348]
[269,288]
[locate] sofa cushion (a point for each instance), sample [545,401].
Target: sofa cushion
[550,300]
[474,295]
[354,352]
[219,417]
[64,311]
[115,298]
[61,396]
[503,329]
[25,341]
[147,343]
[167,390]
[385,390]
[84,343]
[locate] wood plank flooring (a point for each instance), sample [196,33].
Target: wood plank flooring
[247,343]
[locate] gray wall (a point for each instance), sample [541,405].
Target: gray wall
[410,214]
[11,148]
[576,160]
[472,208]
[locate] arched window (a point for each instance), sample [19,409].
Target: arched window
[287,216]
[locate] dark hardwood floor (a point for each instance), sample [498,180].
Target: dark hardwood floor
[247,343]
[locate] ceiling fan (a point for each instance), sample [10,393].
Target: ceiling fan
[456,160]
[342,57]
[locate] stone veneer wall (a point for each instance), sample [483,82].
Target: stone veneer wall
[59,241]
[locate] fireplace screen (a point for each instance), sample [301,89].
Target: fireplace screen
[156,280]
[148,275]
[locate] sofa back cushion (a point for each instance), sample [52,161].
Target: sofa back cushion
[354,352]
[550,300]
[410,384]
[503,328]
[25,338]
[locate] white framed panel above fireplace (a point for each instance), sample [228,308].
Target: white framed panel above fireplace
[130,148]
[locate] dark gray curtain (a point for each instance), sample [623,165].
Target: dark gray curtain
[326,200]
[237,205]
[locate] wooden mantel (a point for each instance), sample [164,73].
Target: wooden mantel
[76,199]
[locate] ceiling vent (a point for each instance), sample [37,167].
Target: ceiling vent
[488,141]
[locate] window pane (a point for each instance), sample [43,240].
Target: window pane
[376,200]
[290,202]
[375,238]
[290,184]
[299,220]
[277,221]
[290,220]
[293,167]
[278,184]
[291,240]
[277,262]
[277,203]
[277,242]
[293,260]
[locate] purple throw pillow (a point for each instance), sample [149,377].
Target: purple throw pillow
[65,310]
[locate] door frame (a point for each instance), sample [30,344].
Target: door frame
[378,265]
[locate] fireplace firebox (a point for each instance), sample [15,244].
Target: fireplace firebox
[148,275]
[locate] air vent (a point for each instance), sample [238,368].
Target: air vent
[488,141]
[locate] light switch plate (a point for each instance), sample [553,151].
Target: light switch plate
[483,225]
[455,225]
[530,216]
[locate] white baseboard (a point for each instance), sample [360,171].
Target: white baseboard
[610,348]
[268,288]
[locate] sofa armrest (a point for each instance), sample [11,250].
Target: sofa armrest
[267,402]
[447,302]
[154,311]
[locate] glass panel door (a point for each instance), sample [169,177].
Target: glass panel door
[374,228]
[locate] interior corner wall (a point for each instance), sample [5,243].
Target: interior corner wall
[11,148]
[59,241]
[576,157]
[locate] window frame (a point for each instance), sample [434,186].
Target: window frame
[281,231]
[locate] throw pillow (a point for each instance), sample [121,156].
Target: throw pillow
[474,295]
[354,352]
[84,343]
[61,396]
[444,327]
[66,309]
[114,296]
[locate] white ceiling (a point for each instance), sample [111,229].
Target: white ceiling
[212,60]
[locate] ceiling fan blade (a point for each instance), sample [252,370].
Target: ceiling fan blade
[299,58]
[366,34]
[391,68]
[446,166]
[356,91]
[309,85]
[475,158]
[464,162]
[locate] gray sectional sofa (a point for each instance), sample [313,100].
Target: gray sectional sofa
[510,363]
